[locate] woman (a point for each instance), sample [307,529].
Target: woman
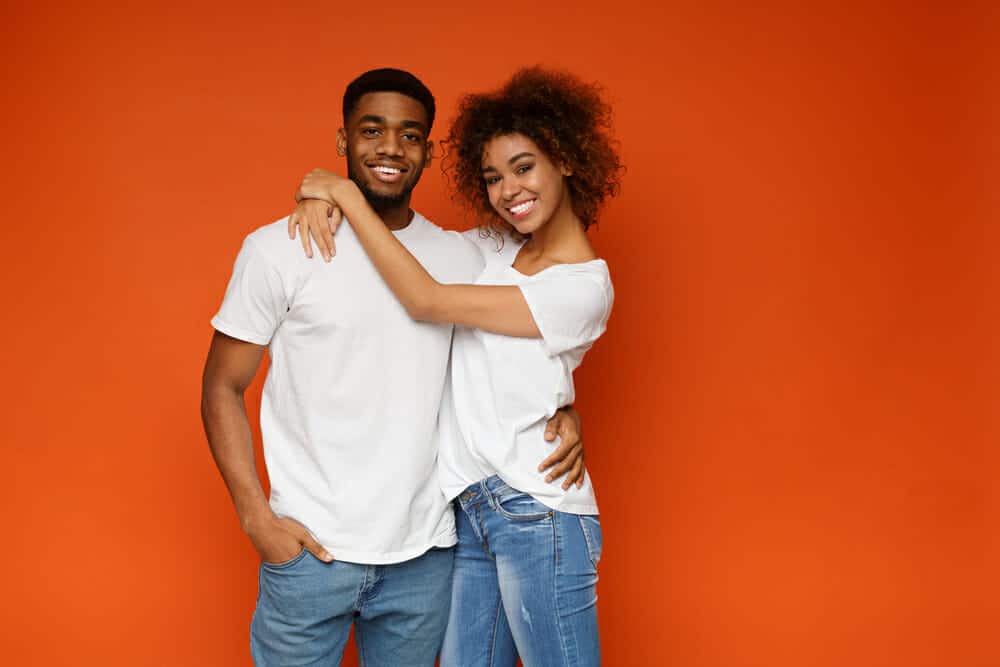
[537,159]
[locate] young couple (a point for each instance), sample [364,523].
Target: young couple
[418,367]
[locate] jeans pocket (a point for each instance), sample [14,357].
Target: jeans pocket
[522,507]
[284,565]
[591,526]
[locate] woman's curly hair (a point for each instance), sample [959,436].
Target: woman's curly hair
[568,120]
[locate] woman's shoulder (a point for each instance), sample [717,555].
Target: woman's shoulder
[593,270]
[493,244]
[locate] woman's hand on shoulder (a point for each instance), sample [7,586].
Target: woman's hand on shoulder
[319,221]
[326,185]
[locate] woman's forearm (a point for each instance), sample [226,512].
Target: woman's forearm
[405,276]
[499,309]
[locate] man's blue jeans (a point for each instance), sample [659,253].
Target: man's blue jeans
[524,584]
[305,609]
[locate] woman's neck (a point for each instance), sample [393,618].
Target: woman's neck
[561,240]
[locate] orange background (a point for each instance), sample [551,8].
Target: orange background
[791,420]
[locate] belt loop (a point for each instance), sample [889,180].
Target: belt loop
[487,493]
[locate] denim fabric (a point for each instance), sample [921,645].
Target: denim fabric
[305,609]
[524,584]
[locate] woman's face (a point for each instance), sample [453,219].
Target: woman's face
[524,186]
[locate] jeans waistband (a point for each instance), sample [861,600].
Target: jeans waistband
[491,489]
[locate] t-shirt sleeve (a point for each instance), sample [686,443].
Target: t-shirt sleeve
[570,306]
[255,301]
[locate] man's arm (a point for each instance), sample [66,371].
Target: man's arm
[230,368]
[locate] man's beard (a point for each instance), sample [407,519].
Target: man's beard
[379,201]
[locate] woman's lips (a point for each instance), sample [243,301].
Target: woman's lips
[522,210]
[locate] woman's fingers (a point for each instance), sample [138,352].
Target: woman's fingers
[305,236]
[574,454]
[333,221]
[319,228]
[575,475]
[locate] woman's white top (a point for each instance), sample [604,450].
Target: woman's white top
[504,389]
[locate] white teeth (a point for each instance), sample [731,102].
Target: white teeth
[387,170]
[521,208]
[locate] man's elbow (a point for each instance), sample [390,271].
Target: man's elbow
[216,397]
[209,404]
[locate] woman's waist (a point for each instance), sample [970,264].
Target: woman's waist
[499,488]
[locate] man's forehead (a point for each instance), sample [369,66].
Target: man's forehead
[392,107]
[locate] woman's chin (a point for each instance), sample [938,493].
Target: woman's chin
[523,227]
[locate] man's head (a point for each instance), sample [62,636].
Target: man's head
[388,115]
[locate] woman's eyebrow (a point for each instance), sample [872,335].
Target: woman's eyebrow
[519,156]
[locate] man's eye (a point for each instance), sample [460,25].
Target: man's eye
[369,132]
[412,137]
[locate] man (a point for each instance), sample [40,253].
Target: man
[356,529]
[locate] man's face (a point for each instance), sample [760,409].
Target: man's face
[386,145]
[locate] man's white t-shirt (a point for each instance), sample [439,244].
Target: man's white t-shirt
[350,404]
[504,389]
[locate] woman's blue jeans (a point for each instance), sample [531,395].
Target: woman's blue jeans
[524,583]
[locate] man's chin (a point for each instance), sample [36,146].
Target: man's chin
[384,200]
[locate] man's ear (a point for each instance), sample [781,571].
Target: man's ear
[341,142]
[431,152]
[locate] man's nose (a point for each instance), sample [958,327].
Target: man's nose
[389,145]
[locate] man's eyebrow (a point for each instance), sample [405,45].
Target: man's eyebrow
[414,124]
[380,120]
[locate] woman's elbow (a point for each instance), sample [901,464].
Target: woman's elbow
[420,308]
[422,305]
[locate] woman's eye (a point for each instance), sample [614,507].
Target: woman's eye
[492,180]
[523,168]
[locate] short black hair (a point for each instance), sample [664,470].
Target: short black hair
[388,80]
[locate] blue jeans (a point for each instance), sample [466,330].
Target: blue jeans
[525,583]
[305,609]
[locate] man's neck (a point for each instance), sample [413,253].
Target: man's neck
[395,217]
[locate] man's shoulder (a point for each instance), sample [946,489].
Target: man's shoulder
[456,242]
[454,251]
[271,241]
[271,236]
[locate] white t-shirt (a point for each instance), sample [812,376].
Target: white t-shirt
[505,389]
[351,401]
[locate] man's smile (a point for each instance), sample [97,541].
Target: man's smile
[387,173]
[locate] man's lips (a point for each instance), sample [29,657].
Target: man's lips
[387,173]
[522,210]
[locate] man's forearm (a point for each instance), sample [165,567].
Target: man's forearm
[223,413]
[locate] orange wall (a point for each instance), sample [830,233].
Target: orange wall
[791,420]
